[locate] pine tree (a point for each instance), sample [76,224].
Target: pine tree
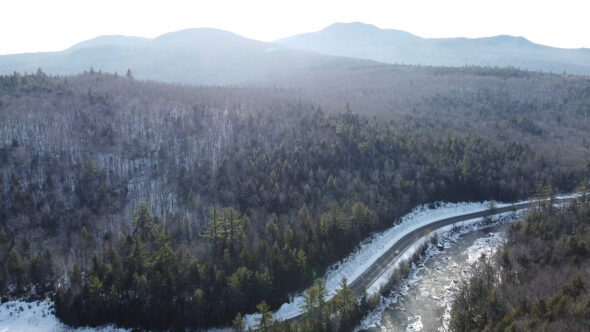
[360,215]
[163,255]
[138,257]
[143,221]
[240,282]
[76,279]
[238,323]
[41,272]
[549,195]
[15,268]
[314,301]
[346,305]
[95,288]
[225,231]
[265,320]
[344,299]
[212,232]
[301,261]
[234,225]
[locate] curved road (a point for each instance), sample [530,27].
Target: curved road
[376,270]
[384,262]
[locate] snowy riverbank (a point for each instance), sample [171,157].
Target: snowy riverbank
[20,316]
[486,244]
[373,247]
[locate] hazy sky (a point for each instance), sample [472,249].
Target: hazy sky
[51,25]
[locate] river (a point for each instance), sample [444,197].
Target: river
[423,302]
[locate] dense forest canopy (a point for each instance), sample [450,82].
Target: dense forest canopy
[123,198]
[538,282]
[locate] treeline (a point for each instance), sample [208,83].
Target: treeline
[539,281]
[341,313]
[29,275]
[142,280]
[251,193]
[344,311]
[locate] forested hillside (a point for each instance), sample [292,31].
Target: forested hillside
[546,111]
[125,198]
[538,282]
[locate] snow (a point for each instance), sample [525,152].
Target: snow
[573,195]
[448,237]
[373,247]
[416,325]
[488,246]
[373,318]
[250,320]
[466,226]
[405,255]
[20,316]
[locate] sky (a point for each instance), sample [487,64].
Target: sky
[53,25]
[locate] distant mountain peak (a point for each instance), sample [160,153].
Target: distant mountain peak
[176,37]
[513,39]
[351,25]
[213,56]
[366,41]
[196,55]
[197,32]
[110,40]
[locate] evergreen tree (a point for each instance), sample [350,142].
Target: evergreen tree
[314,302]
[143,221]
[138,258]
[238,323]
[16,269]
[264,322]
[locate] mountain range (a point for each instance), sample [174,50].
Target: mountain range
[365,41]
[216,57]
[196,56]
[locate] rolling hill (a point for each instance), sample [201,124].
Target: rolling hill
[206,56]
[195,56]
[365,41]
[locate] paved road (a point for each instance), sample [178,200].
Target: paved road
[382,264]
[376,270]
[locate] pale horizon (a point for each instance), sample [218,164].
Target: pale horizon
[40,26]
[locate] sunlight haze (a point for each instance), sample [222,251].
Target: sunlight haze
[33,26]
[290,166]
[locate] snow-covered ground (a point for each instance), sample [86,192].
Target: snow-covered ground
[481,246]
[416,324]
[486,245]
[466,226]
[373,247]
[20,316]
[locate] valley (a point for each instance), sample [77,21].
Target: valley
[202,180]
